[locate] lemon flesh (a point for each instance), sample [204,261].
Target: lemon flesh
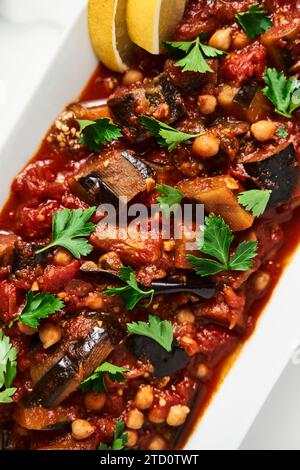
[150,22]
[108,32]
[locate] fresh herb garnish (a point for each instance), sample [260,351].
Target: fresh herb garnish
[283,92]
[217,241]
[120,438]
[70,229]
[132,294]
[255,201]
[156,329]
[39,306]
[254,21]
[165,135]
[196,52]
[282,132]
[96,381]
[169,196]
[8,368]
[95,133]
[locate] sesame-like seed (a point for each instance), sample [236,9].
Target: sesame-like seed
[65,128]
[106,163]
[58,125]
[73,131]
[62,144]
[78,134]
[59,138]
[50,139]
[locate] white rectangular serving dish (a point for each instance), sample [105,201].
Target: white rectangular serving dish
[263,358]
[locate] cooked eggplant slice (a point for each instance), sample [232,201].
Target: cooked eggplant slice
[40,419]
[149,99]
[246,94]
[164,362]
[279,172]
[192,284]
[114,174]
[79,360]
[219,195]
[248,103]
[285,33]
[172,285]
[24,256]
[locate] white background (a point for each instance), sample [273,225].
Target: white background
[29,33]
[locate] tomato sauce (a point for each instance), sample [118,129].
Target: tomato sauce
[208,332]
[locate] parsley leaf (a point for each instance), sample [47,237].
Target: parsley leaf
[282,132]
[120,438]
[156,329]
[6,395]
[69,229]
[39,306]
[169,196]
[95,133]
[242,260]
[195,51]
[132,294]
[165,135]
[8,368]
[254,21]
[255,201]
[217,241]
[96,381]
[283,92]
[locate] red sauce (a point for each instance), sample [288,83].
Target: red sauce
[42,189]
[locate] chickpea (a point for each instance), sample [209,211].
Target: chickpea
[185,315]
[177,415]
[62,257]
[240,40]
[94,401]
[26,330]
[207,104]
[132,438]
[135,419]
[263,130]
[202,371]
[132,76]
[94,302]
[50,334]
[144,397]
[82,429]
[206,146]
[157,443]
[157,415]
[221,39]
[261,281]
[226,95]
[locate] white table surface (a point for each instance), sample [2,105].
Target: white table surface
[29,33]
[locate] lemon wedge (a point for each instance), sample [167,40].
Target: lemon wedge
[150,22]
[108,32]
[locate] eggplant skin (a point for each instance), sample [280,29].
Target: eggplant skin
[24,256]
[112,175]
[79,361]
[203,289]
[246,94]
[164,362]
[279,172]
